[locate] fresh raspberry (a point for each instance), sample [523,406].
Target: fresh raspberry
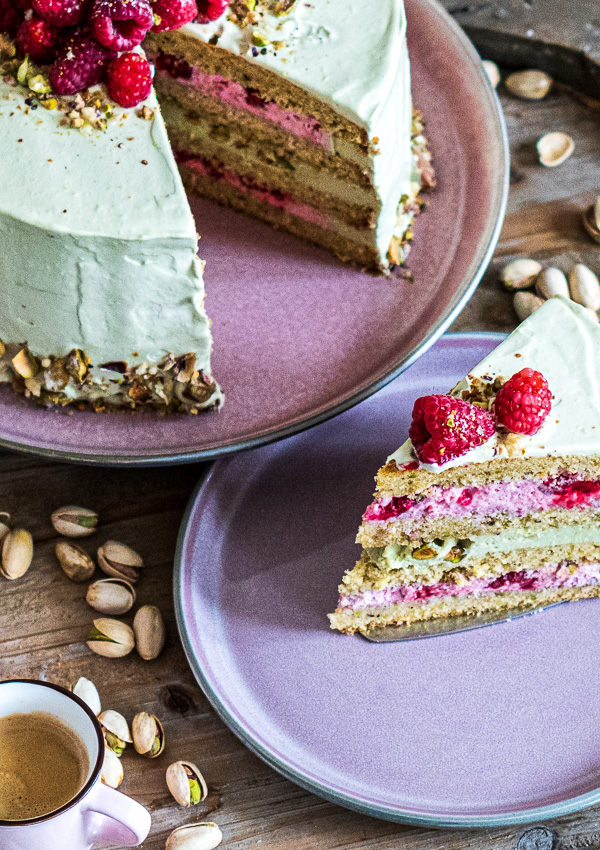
[38,39]
[172,14]
[120,24]
[444,428]
[210,10]
[129,79]
[61,13]
[11,16]
[80,62]
[523,402]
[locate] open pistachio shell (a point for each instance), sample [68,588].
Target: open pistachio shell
[554,148]
[111,596]
[195,836]
[492,71]
[148,735]
[75,561]
[520,274]
[17,553]
[550,282]
[5,523]
[529,85]
[585,287]
[86,690]
[112,769]
[186,783]
[73,521]
[591,221]
[149,630]
[119,561]
[111,638]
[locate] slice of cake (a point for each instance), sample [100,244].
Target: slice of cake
[494,501]
[300,114]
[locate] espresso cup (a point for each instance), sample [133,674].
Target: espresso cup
[97,816]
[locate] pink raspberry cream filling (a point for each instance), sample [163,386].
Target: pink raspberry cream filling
[516,498]
[553,576]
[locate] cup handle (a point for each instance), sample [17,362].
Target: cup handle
[129,822]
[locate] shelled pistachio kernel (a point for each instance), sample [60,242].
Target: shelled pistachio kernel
[148,735]
[195,836]
[116,731]
[529,85]
[149,630]
[74,521]
[186,783]
[86,690]
[17,553]
[75,561]
[119,561]
[520,274]
[110,638]
[5,524]
[112,596]
[111,773]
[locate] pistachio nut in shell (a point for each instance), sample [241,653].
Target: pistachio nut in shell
[205,835]
[111,596]
[550,282]
[111,638]
[590,222]
[584,285]
[186,783]
[116,731]
[73,521]
[149,630]
[554,148]
[119,561]
[112,769]
[75,561]
[520,274]
[17,553]
[148,735]
[529,85]
[86,690]
[5,524]
[526,303]
[492,71]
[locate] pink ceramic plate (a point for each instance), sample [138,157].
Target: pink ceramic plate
[488,727]
[298,336]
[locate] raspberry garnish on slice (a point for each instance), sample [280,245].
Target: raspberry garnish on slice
[210,10]
[444,428]
[523,402]
[80,62]
[11,15]
[129,79]
[38,39]
[61,13]
[120,24]
[172,14]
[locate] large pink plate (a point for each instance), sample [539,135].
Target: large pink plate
[490,727]
[298,336]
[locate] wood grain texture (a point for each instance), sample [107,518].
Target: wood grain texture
[44,618]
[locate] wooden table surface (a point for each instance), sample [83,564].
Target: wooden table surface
[44,618]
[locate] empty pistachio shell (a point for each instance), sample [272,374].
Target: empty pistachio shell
[554,148]
[73,521]
[195,836]
[584,285]
[17,553]
[526,303]
[111,596]
[591,221]
[5,524]
[529,85]
[550,282]
[110,638]
[120,561]
[112,769]
[116,731]
[492,71]
[86,690]
[520,274]
[75,562]
[148,735]
[149,630]
[186,783]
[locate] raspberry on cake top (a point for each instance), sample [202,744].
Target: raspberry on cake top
[494,501]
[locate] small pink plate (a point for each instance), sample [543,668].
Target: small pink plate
[489,727]
[298,336]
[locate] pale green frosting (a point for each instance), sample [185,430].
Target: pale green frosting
[352,55]
[98,241]
[395,557]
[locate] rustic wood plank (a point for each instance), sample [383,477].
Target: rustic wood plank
[44,618]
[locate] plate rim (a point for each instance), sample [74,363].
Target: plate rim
[481,261]
[522,816]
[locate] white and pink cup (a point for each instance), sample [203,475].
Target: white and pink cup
[97,816]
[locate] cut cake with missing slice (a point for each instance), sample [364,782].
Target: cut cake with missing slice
[512,521]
